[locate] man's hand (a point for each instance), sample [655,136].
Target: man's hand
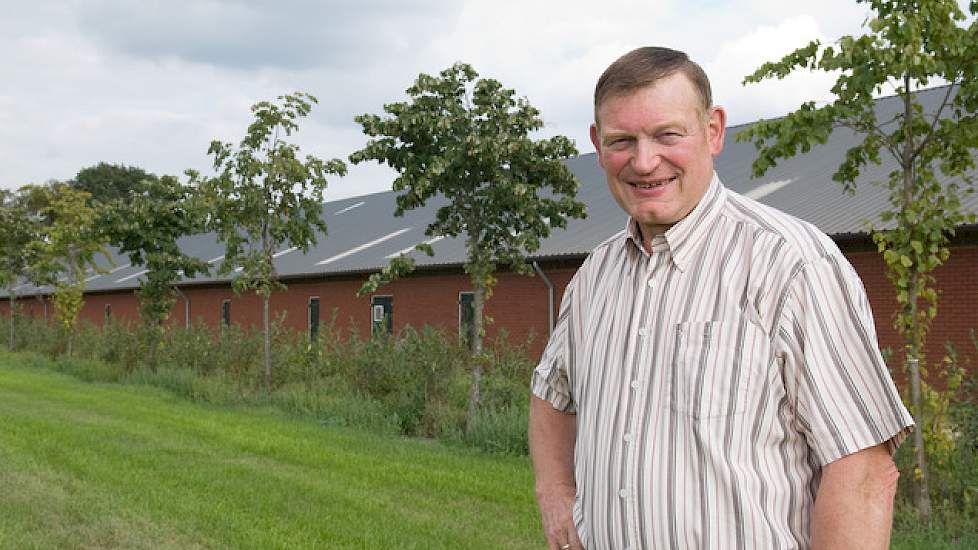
[854,504]
[556,513]
[552,438]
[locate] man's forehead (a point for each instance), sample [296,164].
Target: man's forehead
[666,109]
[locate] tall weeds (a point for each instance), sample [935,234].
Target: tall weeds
[414,383]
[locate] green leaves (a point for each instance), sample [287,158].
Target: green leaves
[467,138]
[64,250]
[265,196]
[18,227]
[908,44]
[146,225]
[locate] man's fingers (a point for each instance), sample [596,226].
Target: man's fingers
[565,540]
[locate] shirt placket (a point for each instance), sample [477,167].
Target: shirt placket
[639,390]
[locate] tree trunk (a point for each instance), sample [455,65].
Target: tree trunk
[915,337]
[475,390]
[13,314]
[921,486]
[154,344]
[268,342]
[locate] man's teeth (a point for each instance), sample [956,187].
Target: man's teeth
[653,185]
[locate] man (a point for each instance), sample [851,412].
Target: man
[714,379]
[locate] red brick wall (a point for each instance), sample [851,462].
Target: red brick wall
[519,303]
[29,306]
[957,312]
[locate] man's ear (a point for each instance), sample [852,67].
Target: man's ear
[596,141]
[716,126]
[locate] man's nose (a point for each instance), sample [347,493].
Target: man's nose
[646,158]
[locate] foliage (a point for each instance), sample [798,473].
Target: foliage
[265,198]
[106,182]
[65,251]
[18,228]
[910,43]
[952,443]
[146,226]
[468,140]
[413,383]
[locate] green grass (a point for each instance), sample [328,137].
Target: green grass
[86,465]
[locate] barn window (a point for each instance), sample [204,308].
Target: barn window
[226,312]
[108,313]
[382,314]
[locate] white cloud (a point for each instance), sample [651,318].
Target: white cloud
[152,83]
[745,54]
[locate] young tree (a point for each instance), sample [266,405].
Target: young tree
[264,197]
[66,250]
[910,44]
[17,229]
[468,140]
[146,225]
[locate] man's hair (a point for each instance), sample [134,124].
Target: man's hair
[643,67]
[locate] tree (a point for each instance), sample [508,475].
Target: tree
[109,182]
[910,43]
[264,197]
[66,250]
[468,140]
[17,229]
[146,225]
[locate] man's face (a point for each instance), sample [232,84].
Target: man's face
[656,147]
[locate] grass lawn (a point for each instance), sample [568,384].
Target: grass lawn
[93,466]
[106,466]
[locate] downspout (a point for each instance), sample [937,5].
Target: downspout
[550,297]
[186,306]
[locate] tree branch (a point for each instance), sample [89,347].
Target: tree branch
[933,125]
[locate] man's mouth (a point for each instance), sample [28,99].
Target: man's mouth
[654,184]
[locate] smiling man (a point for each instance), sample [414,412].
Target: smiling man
[714,379]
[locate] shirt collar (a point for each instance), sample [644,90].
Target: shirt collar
[687,236]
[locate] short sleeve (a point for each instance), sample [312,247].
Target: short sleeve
[843,397]
[550,380]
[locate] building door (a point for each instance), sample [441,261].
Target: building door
[466,317]
[313,318]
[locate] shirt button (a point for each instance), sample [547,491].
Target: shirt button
[650,283]
[634,384]
[643,332]
[628,438]
[623,493]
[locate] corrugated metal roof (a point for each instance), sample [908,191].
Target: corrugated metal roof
[363,233]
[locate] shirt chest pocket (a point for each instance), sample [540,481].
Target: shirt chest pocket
[714,366]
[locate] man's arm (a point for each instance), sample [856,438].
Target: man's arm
[854,504]
[552,435]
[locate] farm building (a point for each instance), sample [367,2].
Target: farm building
[364,235]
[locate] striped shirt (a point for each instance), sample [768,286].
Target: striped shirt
[713,379]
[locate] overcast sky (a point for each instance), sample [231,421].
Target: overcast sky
[151,82]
